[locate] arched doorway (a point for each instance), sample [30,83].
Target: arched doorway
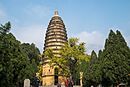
[56,76]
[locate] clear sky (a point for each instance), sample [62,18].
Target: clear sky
[89,20]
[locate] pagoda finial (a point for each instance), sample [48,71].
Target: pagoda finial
[55,13]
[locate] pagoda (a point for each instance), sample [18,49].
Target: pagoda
[55,39]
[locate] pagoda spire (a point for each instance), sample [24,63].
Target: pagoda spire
[56,35]
[56,13]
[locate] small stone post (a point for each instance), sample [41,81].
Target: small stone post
[26,83]
[81,79]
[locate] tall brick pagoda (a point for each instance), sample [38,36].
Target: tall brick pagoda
[55,38]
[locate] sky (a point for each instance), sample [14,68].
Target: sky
[88,20]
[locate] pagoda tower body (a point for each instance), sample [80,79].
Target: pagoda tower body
[55,39]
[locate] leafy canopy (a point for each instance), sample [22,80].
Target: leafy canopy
[71,55]
[15,65]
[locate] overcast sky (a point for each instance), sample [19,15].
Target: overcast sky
[88,20]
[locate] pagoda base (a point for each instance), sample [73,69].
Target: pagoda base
[50,80]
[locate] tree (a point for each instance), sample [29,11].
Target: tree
[93,57]
[116,57]
[33,53]
[113,63]
[5,28]
[70,60]
[92,78]
[14,62]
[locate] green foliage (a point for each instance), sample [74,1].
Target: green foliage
[112,64]
[90,77]
[5,28]
[71,59]
[33,54]
[93,57]
[14,62]
[39,73]
[117,57]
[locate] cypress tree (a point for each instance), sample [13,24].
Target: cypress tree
[115,59]
[113,63]
[93,57]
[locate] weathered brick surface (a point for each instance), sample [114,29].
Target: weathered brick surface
[55,39]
